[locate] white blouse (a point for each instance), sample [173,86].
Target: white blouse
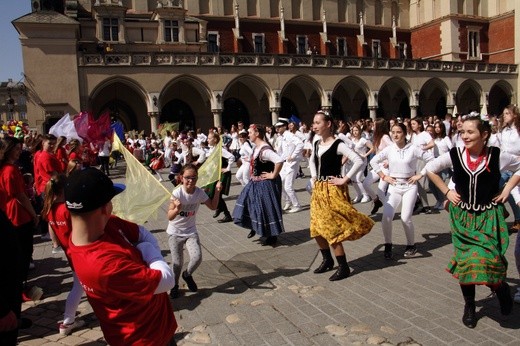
[402,162]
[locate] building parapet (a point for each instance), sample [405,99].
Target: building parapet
[269,60]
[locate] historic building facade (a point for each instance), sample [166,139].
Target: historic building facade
[214,62]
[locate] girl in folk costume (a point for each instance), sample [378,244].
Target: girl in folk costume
[225,178]
[259,206]
[246,150]
[402,158]
[478,228]
[333,218]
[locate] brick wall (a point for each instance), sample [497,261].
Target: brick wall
[426,41]
[501,36]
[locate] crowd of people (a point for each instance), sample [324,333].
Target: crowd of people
[469,163]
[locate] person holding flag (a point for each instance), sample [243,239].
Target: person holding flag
[225,177]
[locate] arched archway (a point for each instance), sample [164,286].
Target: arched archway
[394,99]
[186,99]
[432,98]
[234,111]
[350,100]
[468,97]
[305,95]
[178,111]
[250,104]
[500,96]
[124,99]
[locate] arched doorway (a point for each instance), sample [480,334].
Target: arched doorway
[468,97]
[178,111]
[394,99]
[432,98]
[349,100]
[233,112]
[499,97]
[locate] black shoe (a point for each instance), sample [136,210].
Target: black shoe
[217,213]
[470,317]
[504,298]
[251,234]
[410,251]
[425,210]
[269,241]
[388,252]
[192,286]
[174,293]
[343,272]
[226,218]
[326,265]
[377,204]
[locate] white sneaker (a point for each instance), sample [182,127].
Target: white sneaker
[365,199]
[66,329]
[57,250]
[516,298]
[295,209]
[356,200]
[287,206]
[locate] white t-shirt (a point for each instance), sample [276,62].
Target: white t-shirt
[184,223]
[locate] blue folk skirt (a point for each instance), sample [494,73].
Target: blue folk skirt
[259,207]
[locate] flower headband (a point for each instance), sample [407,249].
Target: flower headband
[474,115]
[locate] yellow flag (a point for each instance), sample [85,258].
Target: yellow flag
[210,170]
[144,194]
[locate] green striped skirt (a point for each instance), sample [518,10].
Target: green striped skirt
[480,240]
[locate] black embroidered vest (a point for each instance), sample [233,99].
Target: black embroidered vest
[477,188]
[329,164]
[260,166]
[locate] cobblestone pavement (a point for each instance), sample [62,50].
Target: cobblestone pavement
[255,295]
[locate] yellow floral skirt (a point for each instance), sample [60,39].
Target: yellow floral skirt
[333,217]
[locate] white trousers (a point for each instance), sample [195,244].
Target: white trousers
[73,299]
[406,195]
[242,174]
[288,174]
[371,178]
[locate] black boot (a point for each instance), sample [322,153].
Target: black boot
[504,298]
[327,263]
[388,251]
[343,269]
[251,234]
[377,204]
[270,241]
[227,218]
[470,317]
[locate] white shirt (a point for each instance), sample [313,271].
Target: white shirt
[291,147]
[184,223]
[510,140]
[442,145]
[225,154]
[421,139]
[402,162]
[343,150]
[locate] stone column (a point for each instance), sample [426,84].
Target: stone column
[275,113]
[413,112]
[373,112]
[217,117]
[153,121]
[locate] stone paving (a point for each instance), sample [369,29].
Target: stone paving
[255,295]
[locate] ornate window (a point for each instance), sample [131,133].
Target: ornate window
[473,44]
[376,49]
[259,43]
[110,29]
[171,30]
[213,42]
[342,46]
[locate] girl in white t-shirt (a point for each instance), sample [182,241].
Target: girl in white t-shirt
[182,229]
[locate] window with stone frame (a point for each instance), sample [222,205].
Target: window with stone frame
[171,30]
[111,29]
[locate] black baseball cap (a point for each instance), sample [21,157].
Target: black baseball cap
[89,189]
